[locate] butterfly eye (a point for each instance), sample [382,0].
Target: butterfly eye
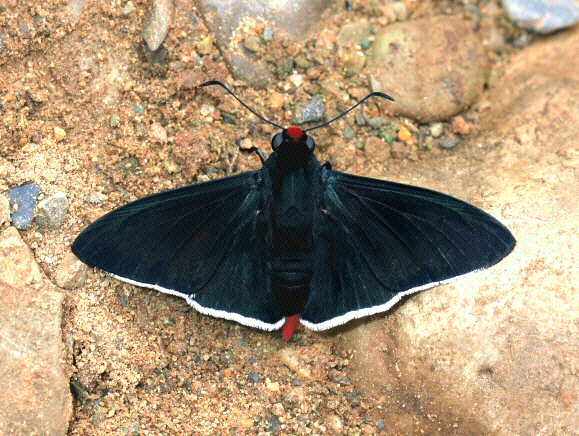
[276,141]
[310,143]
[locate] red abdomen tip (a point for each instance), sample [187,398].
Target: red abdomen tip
[291,323]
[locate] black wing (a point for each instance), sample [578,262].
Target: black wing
[382,240]
[199,242]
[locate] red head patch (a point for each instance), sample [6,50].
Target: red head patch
[294,133]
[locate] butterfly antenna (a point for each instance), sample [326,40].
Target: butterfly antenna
[218,83]
[372,94]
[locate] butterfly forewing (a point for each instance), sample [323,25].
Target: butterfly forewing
[199,242]
[387,239]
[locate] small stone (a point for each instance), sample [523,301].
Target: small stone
[436,129]
[267,34]
[398,150]
[252,43]
[4,210]
[354,33]
[301,61]
[353,62]
[207,109]
[274,387]
[335,423]
[400,10]
[114,120]
[404,135]
[94,198]
[313,110]
[459,125]
[276,101]
[380,425]
[375,122]
[254,377]
[22,200]
[157,133]
[348,133]
[71,273]
[376,149]
[50,212]
[296,79]
[449,142]
[59,134]
[205,46]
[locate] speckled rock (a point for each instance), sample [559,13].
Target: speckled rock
[51,211]
[543,16]
[313,110]
[35,392]
[496,352]
[224,18]
[433,67]
[22,200]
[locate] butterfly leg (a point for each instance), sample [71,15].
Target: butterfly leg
[326,165]
[254,150]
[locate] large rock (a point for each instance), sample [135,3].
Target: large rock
[433,67]
[497,352]
[226,18]
[35,391]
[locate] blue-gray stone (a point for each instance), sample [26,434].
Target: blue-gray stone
[254,377]
[380,425]
[22,200]
[313,110]
[542,16]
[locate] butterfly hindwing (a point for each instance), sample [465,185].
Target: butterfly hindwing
[198,242]
[384,240]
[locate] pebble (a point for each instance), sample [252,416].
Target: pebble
[157,133]
[50,212]
[375,122]
[59,134]
[348,133]
[376,149]
[436,129]
[296,79]
[313,110]
[542,16]
[400,11]
[254,377]
[205,46]
[94,198]
[459,125]
[114,120]
[22,200]
[398,150]
[276,101]
[267,34]
[4,210]
[252,43]
[158,16]
[449,142]
[380,425]
[71,273]
[404,134]
[207,109]
[354,33]
[301,61]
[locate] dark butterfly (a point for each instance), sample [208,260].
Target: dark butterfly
[293,242]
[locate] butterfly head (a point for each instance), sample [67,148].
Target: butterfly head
[293,139]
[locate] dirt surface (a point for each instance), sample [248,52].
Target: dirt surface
[88,111]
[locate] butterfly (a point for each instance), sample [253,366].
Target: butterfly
[293,242]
